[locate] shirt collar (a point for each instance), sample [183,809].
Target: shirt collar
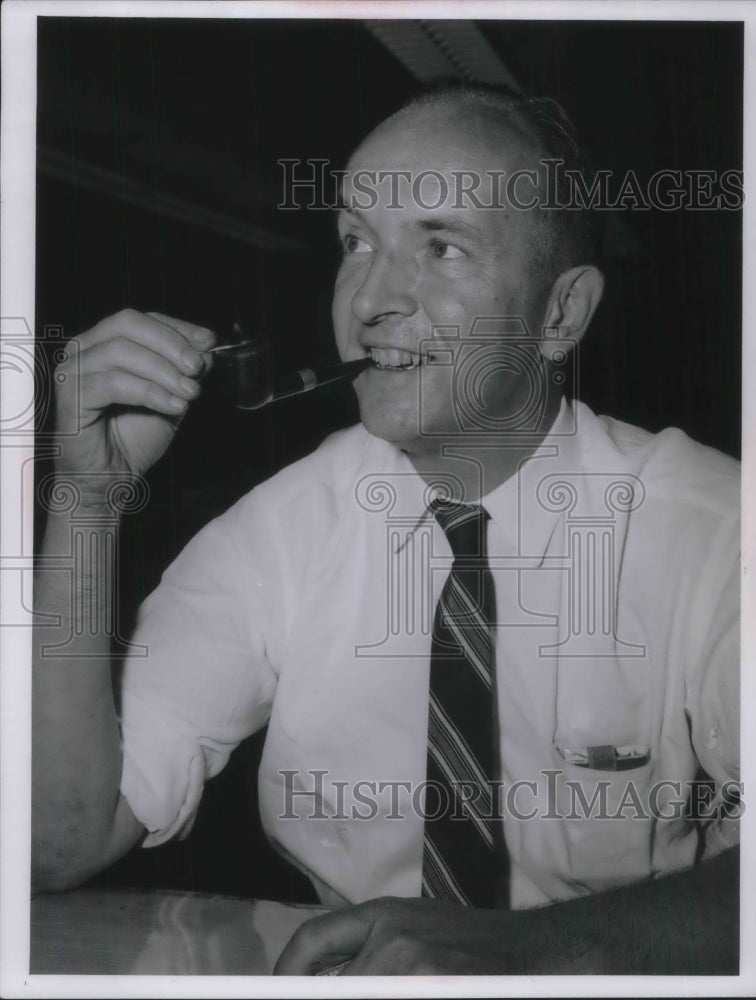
[516,506]
[513,506]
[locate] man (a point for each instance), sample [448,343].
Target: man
[599,608]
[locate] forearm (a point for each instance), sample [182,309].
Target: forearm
[684,924]
[76,755]
[121,390]
[681,924]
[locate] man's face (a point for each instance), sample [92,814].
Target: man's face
[416,261]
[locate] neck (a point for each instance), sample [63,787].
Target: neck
[472,469]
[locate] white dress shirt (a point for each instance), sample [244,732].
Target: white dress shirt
[309,605]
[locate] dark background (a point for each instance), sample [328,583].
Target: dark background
[158,189]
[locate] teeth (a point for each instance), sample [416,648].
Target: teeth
[392,359]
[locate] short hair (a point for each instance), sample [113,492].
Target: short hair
[565,237]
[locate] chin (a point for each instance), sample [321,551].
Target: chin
[403,435]
[393,427]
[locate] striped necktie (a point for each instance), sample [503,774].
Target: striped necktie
[459,863]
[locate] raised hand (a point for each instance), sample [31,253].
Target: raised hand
[124,389]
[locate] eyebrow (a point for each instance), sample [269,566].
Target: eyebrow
[445,224]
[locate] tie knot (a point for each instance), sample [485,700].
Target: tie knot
[464,526]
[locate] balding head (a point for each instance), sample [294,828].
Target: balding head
[562,237]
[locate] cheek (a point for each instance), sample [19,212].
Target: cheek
[448,301]
[458,297]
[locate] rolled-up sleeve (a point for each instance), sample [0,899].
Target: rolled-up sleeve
[199,677]
[713,689]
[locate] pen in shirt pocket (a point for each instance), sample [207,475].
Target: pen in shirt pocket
[607,756]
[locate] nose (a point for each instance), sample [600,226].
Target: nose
[385,291]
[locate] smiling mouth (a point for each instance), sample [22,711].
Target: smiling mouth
[395,360]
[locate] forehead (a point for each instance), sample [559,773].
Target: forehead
[466,136]
[428,159]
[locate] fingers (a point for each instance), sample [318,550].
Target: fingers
[200,337]
[135,359]
[176,340]
[109,388]
[121,371]
[326,941]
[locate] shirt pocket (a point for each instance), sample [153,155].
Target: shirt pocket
[606,822]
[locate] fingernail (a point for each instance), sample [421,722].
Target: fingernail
[203,338]
[177,404]
[188,386]
[192,361]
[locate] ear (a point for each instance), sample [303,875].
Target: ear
[572,303]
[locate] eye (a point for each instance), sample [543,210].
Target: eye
[444,251]
[351,243]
